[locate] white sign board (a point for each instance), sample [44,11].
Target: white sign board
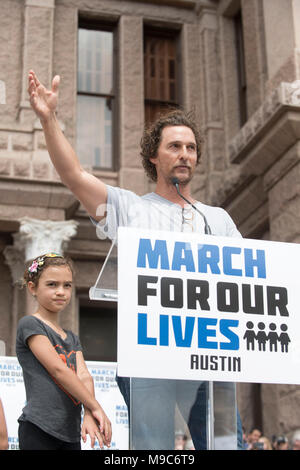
[12,393]
[200,307]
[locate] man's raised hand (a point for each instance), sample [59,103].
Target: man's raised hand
[43,101]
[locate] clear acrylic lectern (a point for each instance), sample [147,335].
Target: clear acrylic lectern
[160,410]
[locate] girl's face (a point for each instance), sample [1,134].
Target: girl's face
[54,288]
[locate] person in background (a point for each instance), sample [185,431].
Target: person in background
[180,440]
[295,441]
[266,443]
[281,443]
[3,429]
[253,437]
[57,381]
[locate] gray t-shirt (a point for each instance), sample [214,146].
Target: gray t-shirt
[48,405]
[151,211]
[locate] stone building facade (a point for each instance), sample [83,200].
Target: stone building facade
[222,59]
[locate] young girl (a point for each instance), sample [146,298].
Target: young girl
[56,378]
[3,429]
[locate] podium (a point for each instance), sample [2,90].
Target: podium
[169,413]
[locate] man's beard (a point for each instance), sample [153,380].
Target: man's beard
[184,180]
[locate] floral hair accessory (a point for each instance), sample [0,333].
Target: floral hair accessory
[34,267]
[39,262]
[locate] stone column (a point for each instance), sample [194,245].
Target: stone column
[2,92]
[131,96]
[14,258]
[2,101]
[211,91]
[38,237]
[37,55]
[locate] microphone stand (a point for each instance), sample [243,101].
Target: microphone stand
[210,401]
[207,229]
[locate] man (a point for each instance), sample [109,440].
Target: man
[253,437]
[171,150]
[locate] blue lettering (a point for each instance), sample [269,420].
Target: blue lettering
[228,251]
[225,326]
[204,333]
[183,256]
[153,255]
[185,340]
[184,330]
[208,255]
[259,262]
[142,331]
[208,258]
[164,330]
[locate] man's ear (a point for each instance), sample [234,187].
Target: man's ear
[153,160]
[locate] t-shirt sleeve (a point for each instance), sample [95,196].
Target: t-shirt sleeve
[76,342]
[231,229]
[121,208]
[28,326]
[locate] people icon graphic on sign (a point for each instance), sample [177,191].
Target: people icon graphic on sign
[262,339]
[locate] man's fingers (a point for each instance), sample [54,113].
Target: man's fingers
[55,83]
[34,77]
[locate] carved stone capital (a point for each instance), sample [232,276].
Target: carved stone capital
[43,236]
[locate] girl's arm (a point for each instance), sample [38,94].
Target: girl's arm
[3,429]
[43,350]
[89,425]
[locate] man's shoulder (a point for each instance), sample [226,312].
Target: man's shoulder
[212,209]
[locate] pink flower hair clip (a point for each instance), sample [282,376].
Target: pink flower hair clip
[39,262]
[34,267]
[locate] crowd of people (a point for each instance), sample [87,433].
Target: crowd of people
[255,440]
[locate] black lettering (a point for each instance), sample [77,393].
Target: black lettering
[223,359]
[203,366]
[144,290]
[197,291]
[225,304]
[214,363]
[236,364]
[166,300]
[248,307]
[194,361]
[277,298]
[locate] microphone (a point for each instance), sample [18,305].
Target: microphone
[175,182]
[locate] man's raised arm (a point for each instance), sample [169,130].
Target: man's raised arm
[88,189]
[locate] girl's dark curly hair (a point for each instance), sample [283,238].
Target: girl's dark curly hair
[38,265]
[152,137]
